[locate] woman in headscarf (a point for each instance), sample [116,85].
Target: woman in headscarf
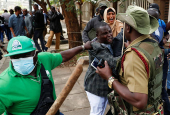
[110,18]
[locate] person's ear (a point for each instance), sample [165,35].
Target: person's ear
[36,56]
[128,28]
[97,34]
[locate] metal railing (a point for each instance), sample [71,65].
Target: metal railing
[142,3]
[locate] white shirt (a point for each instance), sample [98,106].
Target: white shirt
[6,17]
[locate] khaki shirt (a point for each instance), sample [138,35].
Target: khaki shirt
[135,76]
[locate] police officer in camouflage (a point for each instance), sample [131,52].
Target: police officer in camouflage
[137,89]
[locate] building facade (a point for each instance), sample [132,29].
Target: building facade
[10,4]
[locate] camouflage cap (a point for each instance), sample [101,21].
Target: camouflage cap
[139,19]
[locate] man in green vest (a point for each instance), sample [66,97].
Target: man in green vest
[138,86]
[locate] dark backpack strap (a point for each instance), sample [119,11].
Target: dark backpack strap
[43,76]
[43,73]
[46,97]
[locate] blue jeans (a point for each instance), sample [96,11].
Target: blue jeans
[8,32]
[168,77]
[2,34]
[164,92]
[39,34]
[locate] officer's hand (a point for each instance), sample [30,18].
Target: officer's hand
[105,72]
[87,45]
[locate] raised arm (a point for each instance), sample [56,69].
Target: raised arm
[68,54]
[88,27]
[52,16]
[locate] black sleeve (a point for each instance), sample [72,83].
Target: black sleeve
[117,44]
[61,16]
[37,16]
[52,17]
[88,27]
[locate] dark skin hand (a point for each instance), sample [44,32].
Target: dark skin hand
[139,100]
[68,54]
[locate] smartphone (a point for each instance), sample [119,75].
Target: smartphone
[94,63]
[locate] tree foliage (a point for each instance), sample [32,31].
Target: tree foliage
[43,4]
[70,5]
[70,14]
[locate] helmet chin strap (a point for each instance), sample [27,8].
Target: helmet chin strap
[33,58]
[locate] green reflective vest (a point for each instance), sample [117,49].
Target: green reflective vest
[153,53]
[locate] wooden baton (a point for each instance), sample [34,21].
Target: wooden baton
[67,88]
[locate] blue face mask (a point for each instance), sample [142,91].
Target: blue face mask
[23,66]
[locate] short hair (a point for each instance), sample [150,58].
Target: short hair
[52,7]
[11,11]
[24,9]
[17,8]
[101,24]
[110,10]
[36,5]
[5,10]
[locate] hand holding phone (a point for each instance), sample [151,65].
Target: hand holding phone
[96,62]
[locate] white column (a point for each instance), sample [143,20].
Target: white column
[169,12]
[30,5]
[0,5]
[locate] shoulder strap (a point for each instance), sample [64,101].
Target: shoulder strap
[137,49]
[145,40]
[44,77]
[140,56]
[143,60]
[43,72]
